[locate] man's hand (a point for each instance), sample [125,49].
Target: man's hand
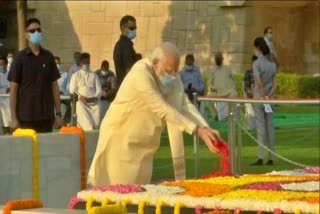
[57,122]
[83,100]
[14,124]
[209,135]
[103,93]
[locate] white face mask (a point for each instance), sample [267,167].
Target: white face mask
[269,36]
[10,59]
[103,72]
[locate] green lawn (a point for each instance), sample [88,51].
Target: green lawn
[297,138]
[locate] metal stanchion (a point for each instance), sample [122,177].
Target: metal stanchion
[196,142]
[231,138]
[239,141]
[74,99]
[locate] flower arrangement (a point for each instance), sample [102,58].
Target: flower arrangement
[258,193]
[35,157]
[82,152]
[20,205]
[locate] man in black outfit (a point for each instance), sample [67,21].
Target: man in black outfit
[124,55]
[34,90]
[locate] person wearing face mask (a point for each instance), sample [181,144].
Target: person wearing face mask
[151,98]
[87,86]
[4,101]
[124,55]
[264,72]
[34,90]
[268,37]
[108,87]
[10,55]
[221,84]
[191,78]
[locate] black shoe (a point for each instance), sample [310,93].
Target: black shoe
[257,163]
[270,162]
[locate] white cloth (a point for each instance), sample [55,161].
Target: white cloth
[4,101]
[87,84]
[271,46]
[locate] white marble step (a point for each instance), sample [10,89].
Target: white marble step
[46,211]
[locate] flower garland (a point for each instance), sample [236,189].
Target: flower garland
[112,208]
[177,207]
[20,205]
[141,206]
[120,188]
[159,205]
[82,152]
[35,158]
[199,189]
[74,201]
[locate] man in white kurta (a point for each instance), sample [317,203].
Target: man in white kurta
[86,85]
[150,97]
[4,101]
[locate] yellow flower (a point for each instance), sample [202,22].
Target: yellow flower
[266,195]
[89,203]
[159,206]
[105,202]
[112,208]
[141,206]
[177,207]
[35,157]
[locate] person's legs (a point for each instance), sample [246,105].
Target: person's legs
[261,132]
[67,115]
[270,133]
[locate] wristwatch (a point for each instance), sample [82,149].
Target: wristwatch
[58,114]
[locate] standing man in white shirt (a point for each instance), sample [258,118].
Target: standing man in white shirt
[87,86]
[268,34]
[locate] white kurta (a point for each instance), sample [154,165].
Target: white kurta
[5,116]
[131,130]
[87,84]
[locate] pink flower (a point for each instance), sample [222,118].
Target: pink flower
[198,209]
[119,188]
[277,211]
[73,201]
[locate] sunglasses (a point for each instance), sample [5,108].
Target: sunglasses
[132,28]
[34,30]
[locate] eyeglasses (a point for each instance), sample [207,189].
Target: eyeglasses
[132,28]
[34,30]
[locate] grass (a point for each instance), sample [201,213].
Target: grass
[297,139]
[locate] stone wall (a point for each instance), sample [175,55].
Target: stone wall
[199,27]
[59,167]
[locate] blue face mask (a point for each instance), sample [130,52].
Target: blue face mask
[59,66]
[132,34]
[189,67]
[2,69]
[167,80]
[36,38]
[86,67]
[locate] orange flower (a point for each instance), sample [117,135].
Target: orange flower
[82,152]
[200,189]
[20,205]
[311,200]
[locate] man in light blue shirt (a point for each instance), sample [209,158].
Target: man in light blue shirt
[191,78]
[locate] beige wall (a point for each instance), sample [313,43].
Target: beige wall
[199,27]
